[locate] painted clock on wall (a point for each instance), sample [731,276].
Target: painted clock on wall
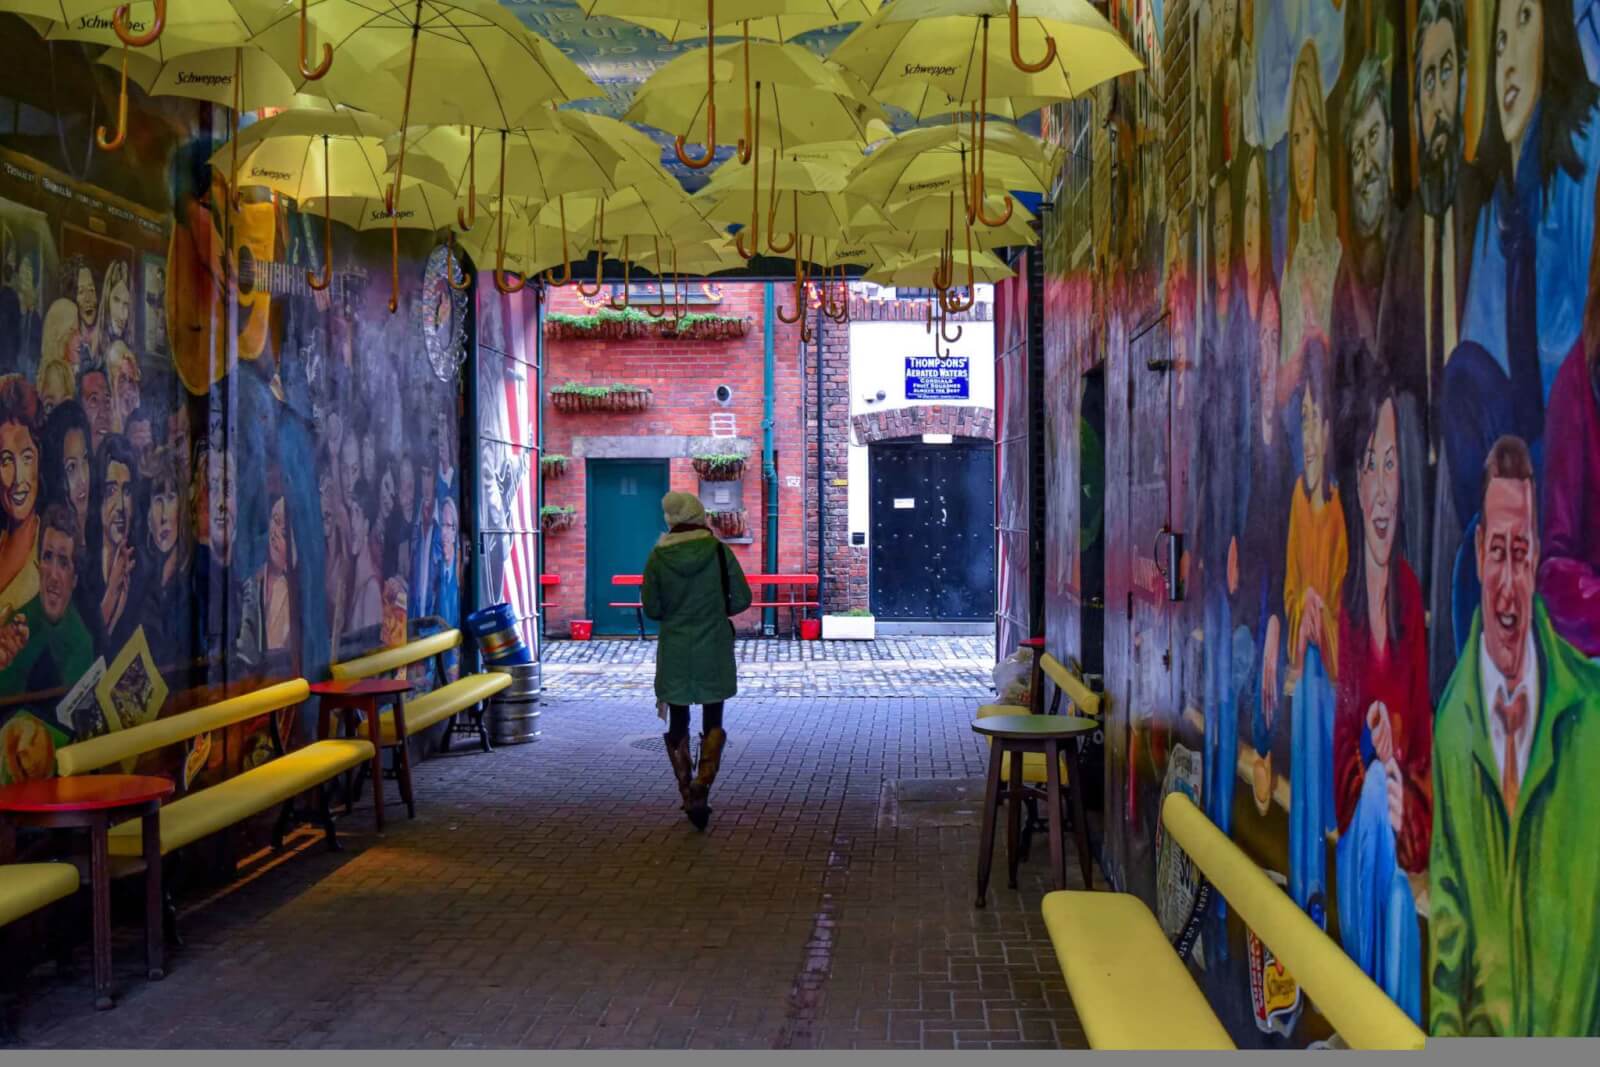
[443,310]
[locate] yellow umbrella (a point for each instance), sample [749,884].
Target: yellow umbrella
[947,44]
[243,78]
[797,100]
[924,269]
[923,101]
[645,12]
[155,29]
[768,28]
[485,67]
[923,161]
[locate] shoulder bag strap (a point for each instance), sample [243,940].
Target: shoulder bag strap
[722,565]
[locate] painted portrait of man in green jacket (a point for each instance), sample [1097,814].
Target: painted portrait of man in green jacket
[1515,863]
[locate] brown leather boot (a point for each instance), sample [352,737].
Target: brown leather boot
[682,765]
[711,746]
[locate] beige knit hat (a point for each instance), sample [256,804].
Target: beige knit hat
[683,509]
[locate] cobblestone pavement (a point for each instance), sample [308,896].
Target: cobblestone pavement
[552,896]
[891,667]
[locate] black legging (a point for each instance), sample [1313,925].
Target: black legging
[678,728]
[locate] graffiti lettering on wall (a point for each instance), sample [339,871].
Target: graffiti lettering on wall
[211,476]
[1382,287]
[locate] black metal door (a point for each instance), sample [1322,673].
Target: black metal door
[932,513]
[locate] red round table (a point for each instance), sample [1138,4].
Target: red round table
[367,695]
[95,803]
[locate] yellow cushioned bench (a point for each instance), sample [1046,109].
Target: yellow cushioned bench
[446,702]
[200,814]
[1129,987]
[1132,991]
[27,887]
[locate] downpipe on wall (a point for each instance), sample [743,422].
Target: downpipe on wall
[769,468]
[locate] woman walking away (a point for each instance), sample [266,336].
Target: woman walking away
[693,586]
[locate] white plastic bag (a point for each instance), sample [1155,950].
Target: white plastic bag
[1013,678]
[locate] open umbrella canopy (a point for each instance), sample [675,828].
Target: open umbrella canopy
[418,207]
[431,62]
[795,98]
[189,22]
[942,43]
[931,216]
[784,27]
[210,74]
[922,101]
[822,214]
[921,269]
[539,164]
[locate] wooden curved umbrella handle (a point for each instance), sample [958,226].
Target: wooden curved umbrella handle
[659,308]
[108,142]
[701,162]
[466,278]
[590,292]
[627,281]
[465,219]
[320,71]
[394,263]
[747,142]
[983,217]
[754,229]
[772,213]
[119,23]
[1016,46]
[566,250]
[799,294]
[319,284]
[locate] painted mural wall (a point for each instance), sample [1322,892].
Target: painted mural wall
[1333,262]
[210,478]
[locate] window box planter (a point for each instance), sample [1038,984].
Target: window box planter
[719,468]
[553,466]
[575,399]
[608,324]
[729,523]
[554,520]
[849,628]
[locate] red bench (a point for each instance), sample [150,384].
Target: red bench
[796,585]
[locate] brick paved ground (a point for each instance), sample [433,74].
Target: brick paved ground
[551,896]
[890,667]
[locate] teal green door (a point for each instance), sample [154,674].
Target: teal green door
[623,522]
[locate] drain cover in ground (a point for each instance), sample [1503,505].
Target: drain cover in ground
[930,803]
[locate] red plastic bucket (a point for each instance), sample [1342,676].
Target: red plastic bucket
[810,629]
[582,629]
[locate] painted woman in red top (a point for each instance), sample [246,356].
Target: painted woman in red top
[1383,718]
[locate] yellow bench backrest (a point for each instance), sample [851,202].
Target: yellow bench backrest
[1086,700]
[103,751]
[1364,1017]
[392,659]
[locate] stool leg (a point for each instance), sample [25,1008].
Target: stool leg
[100,891]
[1080,824]
[1052,777]
[405,778]
[154,955]
[991,800]
[1013,818]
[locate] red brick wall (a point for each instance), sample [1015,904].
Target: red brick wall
[684,376]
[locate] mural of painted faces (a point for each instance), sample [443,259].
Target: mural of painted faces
[94,392]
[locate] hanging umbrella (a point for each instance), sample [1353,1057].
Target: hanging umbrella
[161,30]
[924,161]
[212,75]
[923,102]
[929,215]
[418,206]
[768,28]
[921,270]
[728,13]
[479,64]
[947,44]
[640,218]
[796,99]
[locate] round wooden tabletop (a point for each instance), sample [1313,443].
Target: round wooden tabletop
[1033,727]
[91,792]
[361,687]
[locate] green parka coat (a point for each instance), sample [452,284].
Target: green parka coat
[683,592]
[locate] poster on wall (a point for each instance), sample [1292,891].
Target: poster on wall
[938,377]
[1373,416]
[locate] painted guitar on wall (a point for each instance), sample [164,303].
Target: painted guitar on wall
[210,332]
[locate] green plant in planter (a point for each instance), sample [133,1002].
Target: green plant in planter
[553,511]
[719,466]
[553,465]
[856,613]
